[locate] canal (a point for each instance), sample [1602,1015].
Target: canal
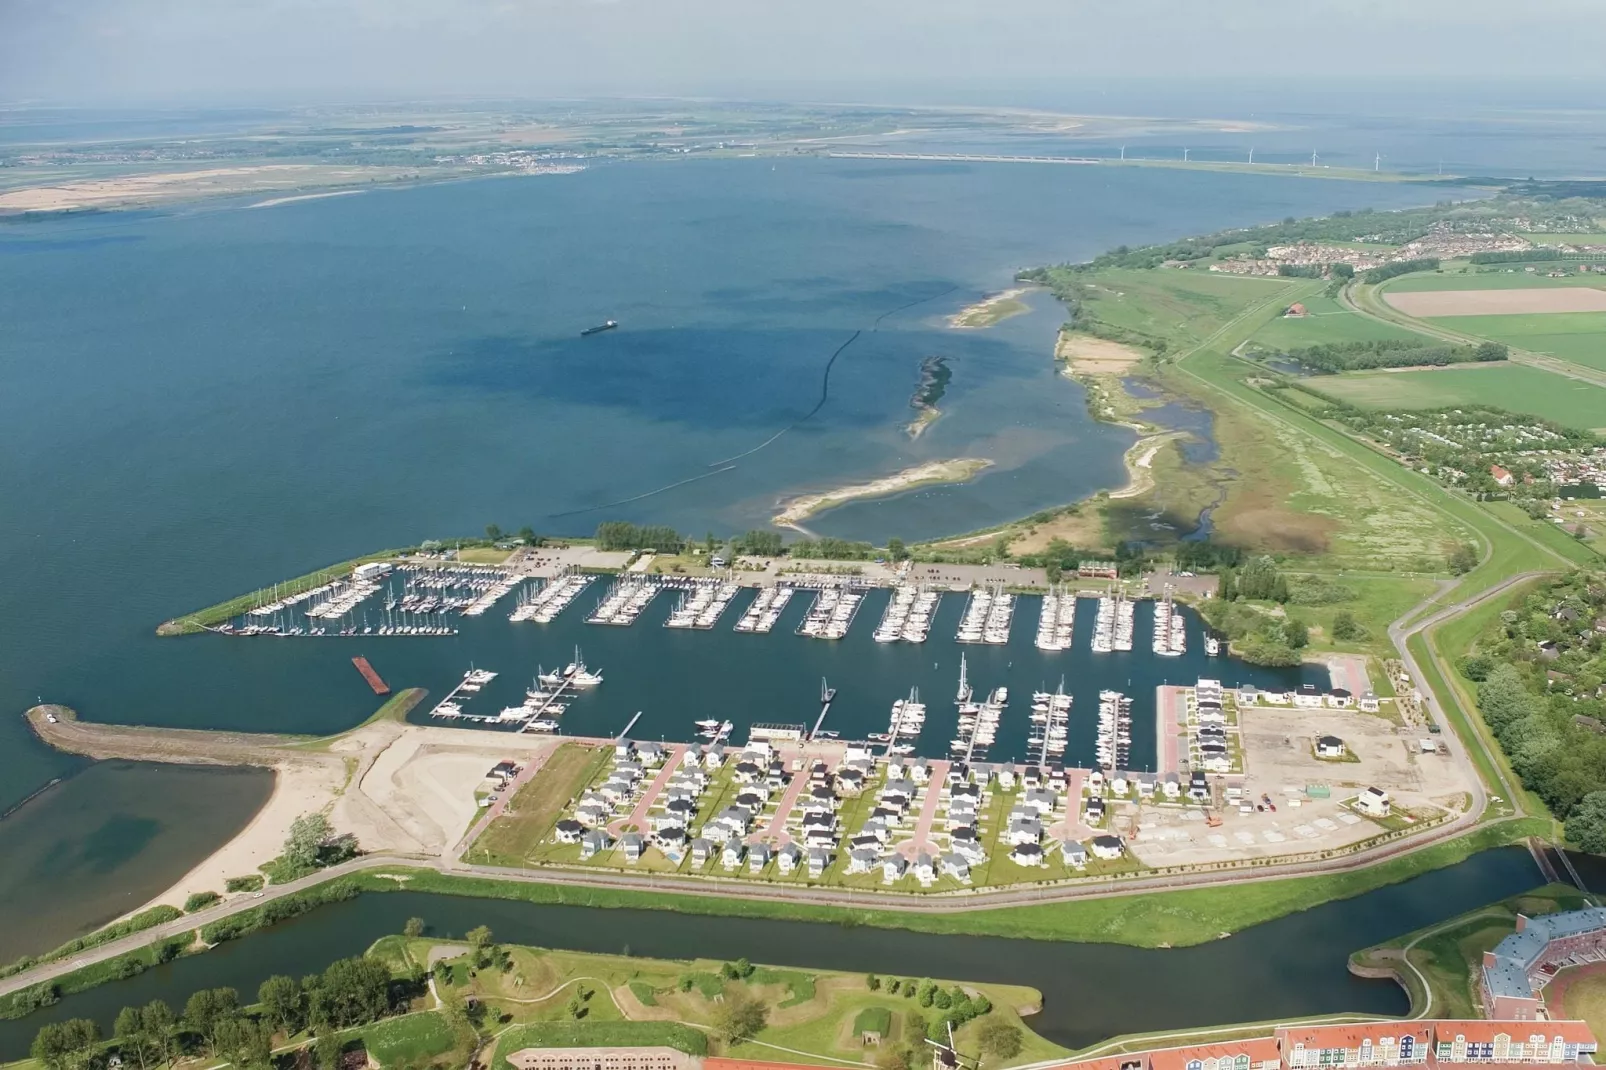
[1290,967]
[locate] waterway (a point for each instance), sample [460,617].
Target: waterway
[106,841]
[1289,967]
[205,399]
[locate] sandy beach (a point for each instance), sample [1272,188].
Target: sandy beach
[1084,354]
[990,310]
[132,190]
[396,787]
[956,470]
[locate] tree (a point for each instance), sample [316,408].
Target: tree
[744,969]
[132,1041]
[528,536]
[326,1052]
[493,533]
[739,1018]
[414,928]
[872,982]
[245,1042]
[1463,558]
[1000,1040]
[205,1010]
[896,549]
[66,1045]
[1345,626]
[1296,633]
[1586,825]
[159,1021]
[356,990]
[308,834]
[282,1002]
[890,1058]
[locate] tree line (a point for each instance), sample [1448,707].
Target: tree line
[1330,358]
[214,1024]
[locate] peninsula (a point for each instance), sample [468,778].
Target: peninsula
[955,470]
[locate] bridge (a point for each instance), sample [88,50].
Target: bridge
[943,157]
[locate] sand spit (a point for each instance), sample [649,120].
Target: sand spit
[956,470]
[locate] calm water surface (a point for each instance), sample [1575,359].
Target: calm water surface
[1289,967]
[203,400]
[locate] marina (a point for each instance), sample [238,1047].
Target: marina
[832,613]
[624,602]
[1170,631]
[1056,620]
[668,678]
[1114,749]
[1051,718]
[702,604]
[761,614]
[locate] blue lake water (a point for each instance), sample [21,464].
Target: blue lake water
[203,400]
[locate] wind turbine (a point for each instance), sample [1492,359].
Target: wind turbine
[1123,153]
[1185,155]
[1377,163]
[1251,154]
[1313,158]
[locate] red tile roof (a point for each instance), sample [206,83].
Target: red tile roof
[1480,1032]
[1351,1036]
[1259,1049]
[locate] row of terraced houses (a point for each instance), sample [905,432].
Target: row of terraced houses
[1427,1043]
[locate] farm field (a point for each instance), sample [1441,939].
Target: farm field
[1510,301]
[1511,386]
[1472,278]
[1579,337]
[1328,321]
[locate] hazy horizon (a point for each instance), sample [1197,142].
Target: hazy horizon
[146,52]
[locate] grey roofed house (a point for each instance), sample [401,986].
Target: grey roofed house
[632,846]
[1074,853]
[758,857]
[734,852]
[893,867]
[569,830]
[1027,854]
[863,860]
[820,837]
[1024,832]
[966,791]
[593,843]
[660,822]
[700,850]
[906,788]
[924,870]
[862,842]
[629,770]
[877,828]
[622,749]
[955,867]
[650,752]
[747,772]
[819,860]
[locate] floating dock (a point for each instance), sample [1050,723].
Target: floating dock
[368,673]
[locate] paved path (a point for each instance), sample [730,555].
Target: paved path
[928,811]
[1170,711]
[775,832]
[638,816]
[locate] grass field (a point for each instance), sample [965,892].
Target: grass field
[1586,998]
[1328,321]
[563,998]
[1511,386]
[1179,918]
[1180,308]
[1579,337]
[526,824]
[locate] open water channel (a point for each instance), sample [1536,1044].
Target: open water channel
[1289,967]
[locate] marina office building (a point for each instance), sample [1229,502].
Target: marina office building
[1519,967]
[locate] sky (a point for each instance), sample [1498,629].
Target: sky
[924,51]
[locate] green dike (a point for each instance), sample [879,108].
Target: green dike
[1161,919]
[25,1001]
[211,616]
[600,1035]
